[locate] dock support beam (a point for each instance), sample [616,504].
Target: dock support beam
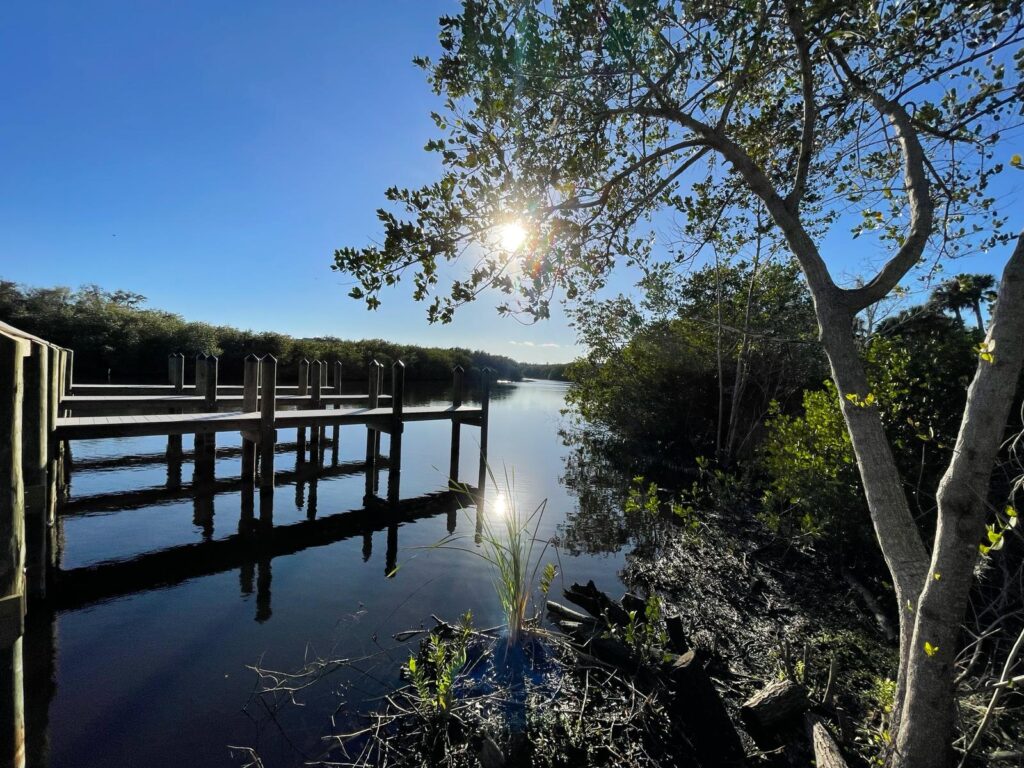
[373,390]
[395,451]
[206,444]
[336,432]
[176,378]
[36,431]
[250,402]
[12,555]
[319,375]
[300,433]
[268,435]
[53,459]
[485,407]
[458,382]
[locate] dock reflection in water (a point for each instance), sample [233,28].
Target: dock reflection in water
[168,589]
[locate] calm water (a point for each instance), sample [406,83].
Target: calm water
[160,678]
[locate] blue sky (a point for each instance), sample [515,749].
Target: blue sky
[212,155]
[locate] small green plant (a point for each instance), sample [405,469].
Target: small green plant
[435,673]
[644,498]
[645,634]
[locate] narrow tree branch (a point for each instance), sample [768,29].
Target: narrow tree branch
[915,179]
[803,165]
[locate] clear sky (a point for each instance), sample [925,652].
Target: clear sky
[211,155]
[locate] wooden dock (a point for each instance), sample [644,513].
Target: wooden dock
[43,411]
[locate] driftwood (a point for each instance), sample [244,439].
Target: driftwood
[631,602]
[696,703]
[563,612]
[778,704]
[677,640]
[826,751]
[597,603]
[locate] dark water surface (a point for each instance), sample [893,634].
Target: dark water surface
[159,677]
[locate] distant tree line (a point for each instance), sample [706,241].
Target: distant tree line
[113,333]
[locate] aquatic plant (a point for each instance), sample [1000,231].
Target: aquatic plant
[508,539]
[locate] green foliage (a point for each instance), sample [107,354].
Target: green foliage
[919,366]
[644,500]
[645,634]
[113,332]
[654,380]
[435,672]
[586,122]
[809,462]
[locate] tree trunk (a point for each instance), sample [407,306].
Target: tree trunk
[976,306]
[926,727]
[894,524]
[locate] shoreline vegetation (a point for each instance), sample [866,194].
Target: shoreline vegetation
[116,336]
[752,578]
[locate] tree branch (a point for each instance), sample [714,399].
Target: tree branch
[803,47]
[915,179]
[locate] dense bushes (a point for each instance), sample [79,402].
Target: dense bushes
[700,378]
[113,334]
[919,366]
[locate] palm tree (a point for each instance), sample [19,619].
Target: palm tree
[947,297]
[975,289]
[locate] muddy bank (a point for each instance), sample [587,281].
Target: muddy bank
[761,610]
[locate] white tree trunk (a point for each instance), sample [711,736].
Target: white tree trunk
[926,726]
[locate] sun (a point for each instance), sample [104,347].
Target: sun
[511,235]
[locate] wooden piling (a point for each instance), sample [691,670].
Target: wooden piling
[206,448]
[373,387]
[69,371]
[53,457]
[319,372]
[12,551]
[300,433]
[268,435]
[458,384]
[397,425]
[323,430]
[485,407]
[66,362]
[250,402]
[379,391]
[211,383]
[176,378]
[35,455]
[336,431]
[199,439]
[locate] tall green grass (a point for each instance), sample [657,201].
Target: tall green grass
[508,542]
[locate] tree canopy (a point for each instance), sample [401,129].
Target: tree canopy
[582,121]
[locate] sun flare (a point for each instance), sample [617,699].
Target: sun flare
[499,505]
[512,235]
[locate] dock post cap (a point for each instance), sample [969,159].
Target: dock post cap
[398,364]
[458,369]
[252,356]
[269,357]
